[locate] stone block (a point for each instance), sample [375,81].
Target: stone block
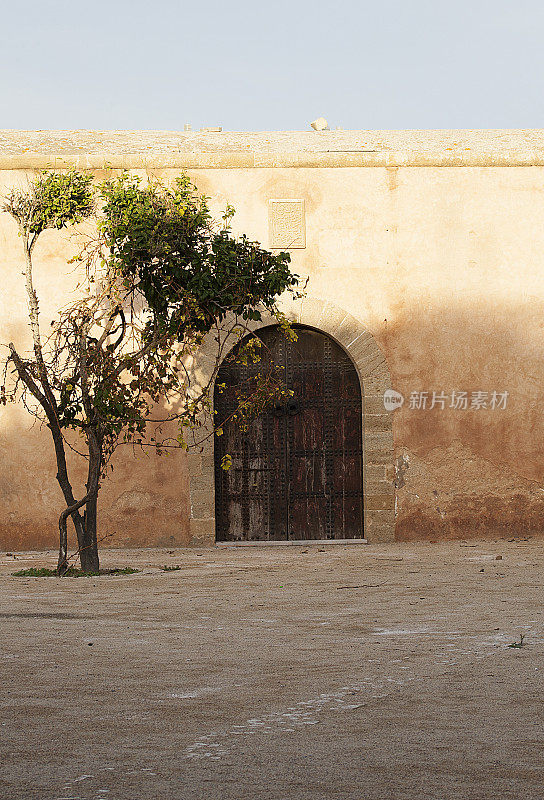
[202,531]
[378,422]
[376,384]
[332,319]
[363,348]
[349,330]
[208,464]
[362,338]
[373,363]
[380,502]
[377,487]
[311,311]
[202,503]
[373,404]
[194,464]
[379,526]
[321,320]
[200,483]
[375,472]
[378,447]
[206,439]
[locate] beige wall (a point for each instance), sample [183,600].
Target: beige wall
[443,265]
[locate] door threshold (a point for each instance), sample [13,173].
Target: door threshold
[289,542]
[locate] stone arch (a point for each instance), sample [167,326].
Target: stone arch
[378,455]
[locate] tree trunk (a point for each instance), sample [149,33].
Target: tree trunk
[77,519]
[85,525]
[88,545]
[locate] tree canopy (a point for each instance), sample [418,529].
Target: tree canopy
[159,276]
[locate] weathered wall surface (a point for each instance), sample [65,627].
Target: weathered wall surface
[444,265]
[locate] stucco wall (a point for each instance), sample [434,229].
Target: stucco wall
[443,265]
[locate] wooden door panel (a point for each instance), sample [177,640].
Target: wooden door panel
[307,384]
[277,497]
[308,518]
[258,475]
[308,429]
[277,432]
[346,428]
[309,347]
[257,519]
[345,384]
[231,441]
[307,474]
[347,513]
[297,470]
[232,518]
[347,477]
[255,436]
[232,480]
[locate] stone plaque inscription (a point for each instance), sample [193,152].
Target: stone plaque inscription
[286,224]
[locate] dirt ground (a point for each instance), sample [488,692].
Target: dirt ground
[301,673]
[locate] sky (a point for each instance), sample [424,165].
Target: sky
[250,65]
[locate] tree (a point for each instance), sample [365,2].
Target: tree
[117,363]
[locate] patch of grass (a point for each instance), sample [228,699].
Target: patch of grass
[521,643]
[44,572]
[166,568]
[71,572]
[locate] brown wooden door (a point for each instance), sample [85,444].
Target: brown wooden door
[297,472]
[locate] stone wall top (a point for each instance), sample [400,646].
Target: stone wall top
[205,150]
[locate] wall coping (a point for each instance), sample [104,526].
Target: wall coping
[269,150]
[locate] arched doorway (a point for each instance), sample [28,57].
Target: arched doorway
[297,471]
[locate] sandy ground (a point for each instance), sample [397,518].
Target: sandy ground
[361,672]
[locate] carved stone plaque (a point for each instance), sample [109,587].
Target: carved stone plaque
[286,224]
